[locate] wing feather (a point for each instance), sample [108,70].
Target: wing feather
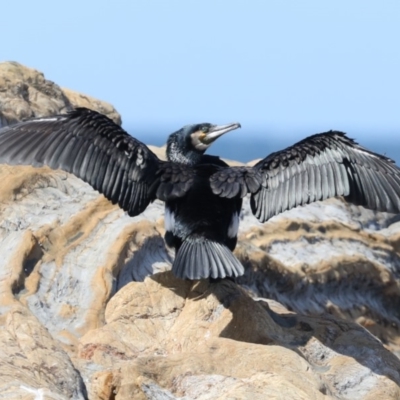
[322,166]
[92,147]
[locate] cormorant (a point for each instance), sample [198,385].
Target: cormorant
[202,194]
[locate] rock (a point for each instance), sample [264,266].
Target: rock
[165,338]
[82,317]
[175,339]
[32,363]
[25,93]
[82,100]
[329,257]
[68,217]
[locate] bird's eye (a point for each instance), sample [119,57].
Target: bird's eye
[204,129]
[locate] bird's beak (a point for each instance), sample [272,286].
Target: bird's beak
[218,130]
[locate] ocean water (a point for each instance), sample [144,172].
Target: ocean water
[249,148]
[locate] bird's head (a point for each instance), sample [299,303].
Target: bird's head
[189,143]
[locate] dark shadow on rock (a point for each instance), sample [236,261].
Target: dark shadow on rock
[354,290]
[29,265]
[151,253]
[294,331]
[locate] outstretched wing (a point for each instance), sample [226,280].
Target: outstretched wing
[322,166]
[90,146]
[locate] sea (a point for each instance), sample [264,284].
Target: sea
[255,147]
[251,147]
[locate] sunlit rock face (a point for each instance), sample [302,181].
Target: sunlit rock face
[26,93]
[89,308]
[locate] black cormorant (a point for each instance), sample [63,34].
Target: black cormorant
[202,194]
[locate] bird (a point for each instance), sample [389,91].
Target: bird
[203,195]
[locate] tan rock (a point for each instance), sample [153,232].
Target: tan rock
[67,250]
[212,341]
[25,93]
[32,364]
[329,257]
[82,100]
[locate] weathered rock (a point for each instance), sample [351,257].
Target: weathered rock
[78,314]
[329,257]
[82,100]
[67,251]
[212,341]
[67,216]
[25,93]
[32,363]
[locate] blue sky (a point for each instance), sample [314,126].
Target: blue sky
[281,68]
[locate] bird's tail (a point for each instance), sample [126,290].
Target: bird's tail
[200,258]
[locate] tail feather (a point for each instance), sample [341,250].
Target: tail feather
[200,258]
[227,267]
[214,262]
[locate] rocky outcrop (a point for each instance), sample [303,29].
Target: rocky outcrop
[329,257]
[25,93]
[208,341]
[89,308]
[33,365]
[82,100]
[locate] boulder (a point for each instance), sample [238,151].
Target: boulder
[213,341]
[25,93]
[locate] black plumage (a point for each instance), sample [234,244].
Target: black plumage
[202,194]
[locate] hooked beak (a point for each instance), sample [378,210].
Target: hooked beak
[218,130]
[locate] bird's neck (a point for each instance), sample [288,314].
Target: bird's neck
[187,157]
